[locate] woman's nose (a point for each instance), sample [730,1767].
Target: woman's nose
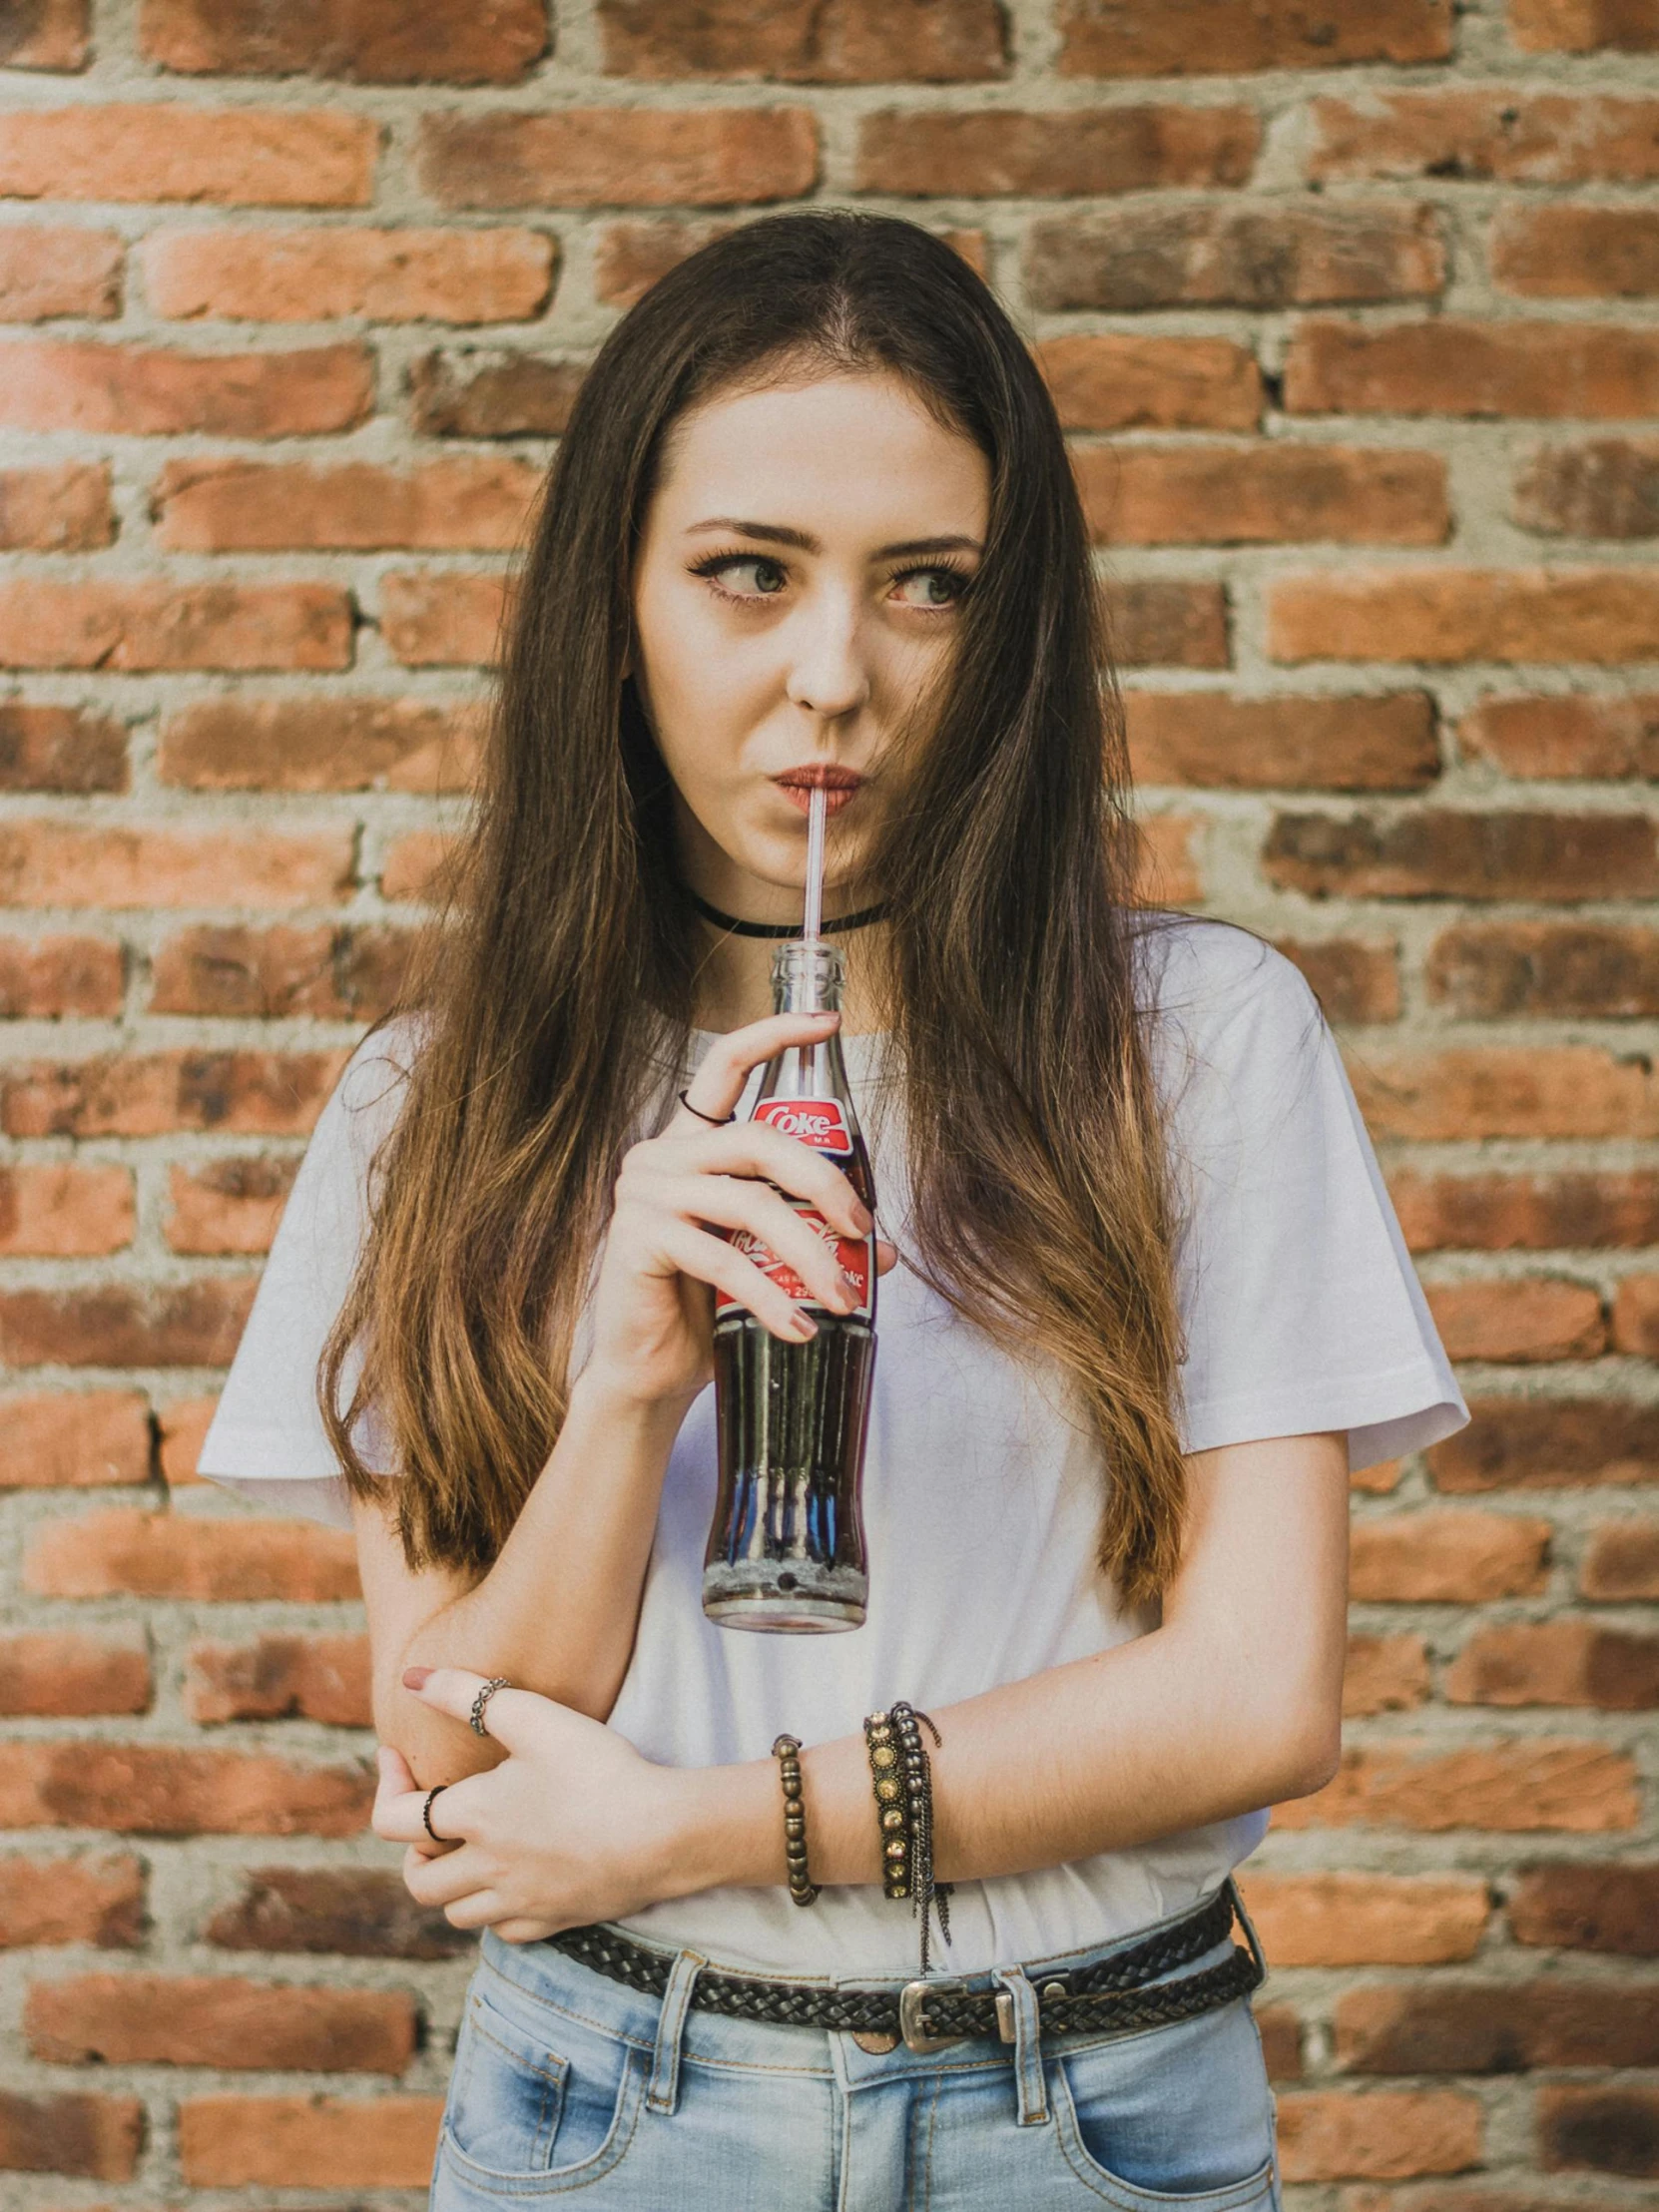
[829,674]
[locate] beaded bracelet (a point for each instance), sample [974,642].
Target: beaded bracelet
[787,1751]
[890,1813]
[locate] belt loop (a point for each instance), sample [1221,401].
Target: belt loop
[663,2092]
[1029,2046]
[1249,1927]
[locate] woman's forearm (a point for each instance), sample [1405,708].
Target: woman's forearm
[1101,1754]
[557,1611]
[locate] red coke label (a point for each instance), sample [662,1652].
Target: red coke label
[856,1254]
[818,1122]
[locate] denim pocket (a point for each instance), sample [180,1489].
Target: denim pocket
[523,2118]
[1181,2116]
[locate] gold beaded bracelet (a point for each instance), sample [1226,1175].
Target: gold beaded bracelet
[787,1751]
[889,1784]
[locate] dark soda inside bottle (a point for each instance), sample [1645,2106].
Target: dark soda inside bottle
[787,1546]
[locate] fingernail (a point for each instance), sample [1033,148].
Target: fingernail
[863,1217]
[415,1678]
[805,1327]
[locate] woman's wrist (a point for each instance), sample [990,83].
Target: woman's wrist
[605,1398]
[725,1828]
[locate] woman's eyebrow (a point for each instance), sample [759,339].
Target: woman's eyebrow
[778,533]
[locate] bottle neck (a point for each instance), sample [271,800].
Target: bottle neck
[807,978]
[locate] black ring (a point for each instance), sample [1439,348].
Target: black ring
[701,1116]
[426,1814]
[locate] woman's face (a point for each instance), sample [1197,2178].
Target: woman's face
[795,602]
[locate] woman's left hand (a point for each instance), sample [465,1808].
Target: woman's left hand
[573,1826]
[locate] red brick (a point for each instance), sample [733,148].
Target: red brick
[61,270]
[1482,133]
[1453,2196]
[339,743]
[387,275]
[1636,1316]
[349,1911]
[59,1210]
[1172,871]
[1385,1674]
[50,34]
[221,2021]
[1568,252]
[1519,1319]
[375,42]
[1563,1662]
[1446,1558]
[71,1900]
[240,1093]
[1613,738]
[1614,2130]
[163,150]
[1221,253]
[54,976]
[1326,2134]
[1475,2027]
[230,1206]
[60,863]
[142,626]
[853,42]
[461,503]
[630,257]
[60,749]
[1279,493]
[87,1438]
[169,1790]
[183,1423]
[1280,2028]
[115,1552]
[646,157]
[1500,1212]
[315,2142]
[1598,970]
[1621,1561]
[56,510]
[1507,1091]
[318,1678]
[1548,1443]
[1584,26]
[1209,738]
[1113,382]
[1447,615]
[1582,1906]
[1607,488]
[134,390]
[1167,621]
[1140,38]
[1365,1919]
[71,2132]
[492,392]
[413,866]
[1435,854]
[61,1672]
[998,153]
[1353,981]
[1539,1782]
[339,973]
[437,620]
[120,1324]
[1459,367]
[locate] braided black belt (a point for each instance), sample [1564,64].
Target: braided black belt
[1106,1998]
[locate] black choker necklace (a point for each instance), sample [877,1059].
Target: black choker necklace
[778,928]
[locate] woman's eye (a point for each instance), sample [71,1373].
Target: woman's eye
[933,587]
[769,576]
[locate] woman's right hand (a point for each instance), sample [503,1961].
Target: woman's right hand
[653,1303]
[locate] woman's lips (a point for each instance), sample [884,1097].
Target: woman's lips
[839,785]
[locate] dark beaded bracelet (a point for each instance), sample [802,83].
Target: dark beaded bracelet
[916,1780]
[891,1811]
[787,1751]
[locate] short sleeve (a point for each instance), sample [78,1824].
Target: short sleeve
[1301,1308]
[266,1438]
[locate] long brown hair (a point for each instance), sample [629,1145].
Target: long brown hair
[559,983]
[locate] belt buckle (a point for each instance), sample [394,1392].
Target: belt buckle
[911,1998]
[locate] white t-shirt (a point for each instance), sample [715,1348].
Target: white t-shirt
[982,1499]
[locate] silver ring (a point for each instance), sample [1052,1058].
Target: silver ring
[496,1682]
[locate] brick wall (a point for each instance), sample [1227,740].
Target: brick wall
[1351,304]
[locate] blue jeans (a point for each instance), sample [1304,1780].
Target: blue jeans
[567,2084]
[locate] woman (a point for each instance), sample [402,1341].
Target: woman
[1145,1305]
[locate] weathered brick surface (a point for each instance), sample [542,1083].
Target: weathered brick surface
[1347,312]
